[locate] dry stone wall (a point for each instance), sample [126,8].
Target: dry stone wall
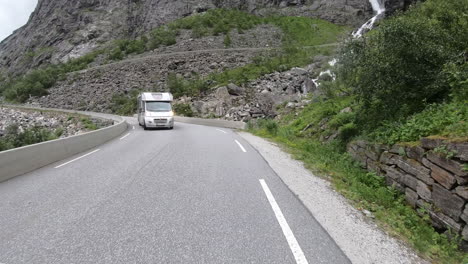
[432,175]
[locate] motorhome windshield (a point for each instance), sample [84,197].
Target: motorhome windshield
[158,106]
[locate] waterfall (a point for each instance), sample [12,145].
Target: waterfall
[379,8]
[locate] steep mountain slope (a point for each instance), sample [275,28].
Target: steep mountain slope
[59,30]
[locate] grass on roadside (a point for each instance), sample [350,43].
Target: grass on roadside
[365,190]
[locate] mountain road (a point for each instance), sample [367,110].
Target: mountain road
[194,194]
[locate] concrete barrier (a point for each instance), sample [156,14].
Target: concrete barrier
[211,122]
[15,162]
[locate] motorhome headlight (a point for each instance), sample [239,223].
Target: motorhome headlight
[171,114]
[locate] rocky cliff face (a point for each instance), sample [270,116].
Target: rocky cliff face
[58,29]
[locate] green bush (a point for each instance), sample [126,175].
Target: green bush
[449,120]
[88,124]
[179,86]
[125,105]
[183,110]
[116,54]
[408,62]
[162,36]
[14,138]
[227,40]
[36,82]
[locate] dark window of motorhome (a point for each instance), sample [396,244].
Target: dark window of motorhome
[158,106]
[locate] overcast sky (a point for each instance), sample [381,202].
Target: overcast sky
[14,14]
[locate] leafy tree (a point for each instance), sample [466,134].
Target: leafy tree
[408,62]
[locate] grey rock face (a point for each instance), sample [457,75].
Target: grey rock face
[391,6]
[92,89]
[58,29]
[234,89]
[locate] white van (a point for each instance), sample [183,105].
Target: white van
[155,110]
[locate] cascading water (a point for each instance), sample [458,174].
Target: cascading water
[379,9]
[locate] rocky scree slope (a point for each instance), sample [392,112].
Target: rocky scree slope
[260,98]
[58,29]
[69,125]
[93,89]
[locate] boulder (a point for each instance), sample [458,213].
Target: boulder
[234,89]
[222,94]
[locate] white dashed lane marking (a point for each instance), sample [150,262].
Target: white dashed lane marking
[92,152]
[293,244]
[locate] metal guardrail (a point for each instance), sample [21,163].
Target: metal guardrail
[18,161]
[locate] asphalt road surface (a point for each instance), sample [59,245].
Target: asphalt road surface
[194,194]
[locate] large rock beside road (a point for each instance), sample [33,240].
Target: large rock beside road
[234,89]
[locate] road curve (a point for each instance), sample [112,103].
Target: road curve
[194,194]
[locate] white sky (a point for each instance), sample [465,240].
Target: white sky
[14,14]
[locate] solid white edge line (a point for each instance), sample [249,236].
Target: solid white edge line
[240,146]
[125,136]
[222,131]
[293,244]
[133,127]
[77,158]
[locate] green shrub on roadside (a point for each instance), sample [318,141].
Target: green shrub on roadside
[408,62]
[450,120]
[13,138]
[366,190]
[88,124]
[183,110]
[125,105]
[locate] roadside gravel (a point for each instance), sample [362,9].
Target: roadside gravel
[359,238]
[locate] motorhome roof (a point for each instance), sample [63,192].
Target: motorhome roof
[156,97]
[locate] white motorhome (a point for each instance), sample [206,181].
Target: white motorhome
[155,110]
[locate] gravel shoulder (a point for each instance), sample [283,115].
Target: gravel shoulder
[359,238]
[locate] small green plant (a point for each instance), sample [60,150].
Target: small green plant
[162,36]
[227,40]
[465,167]
[183,110]
[443,150]
[88,124]
[58,132]
[448,120]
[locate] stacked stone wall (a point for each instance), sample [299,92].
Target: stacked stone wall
[432,175]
